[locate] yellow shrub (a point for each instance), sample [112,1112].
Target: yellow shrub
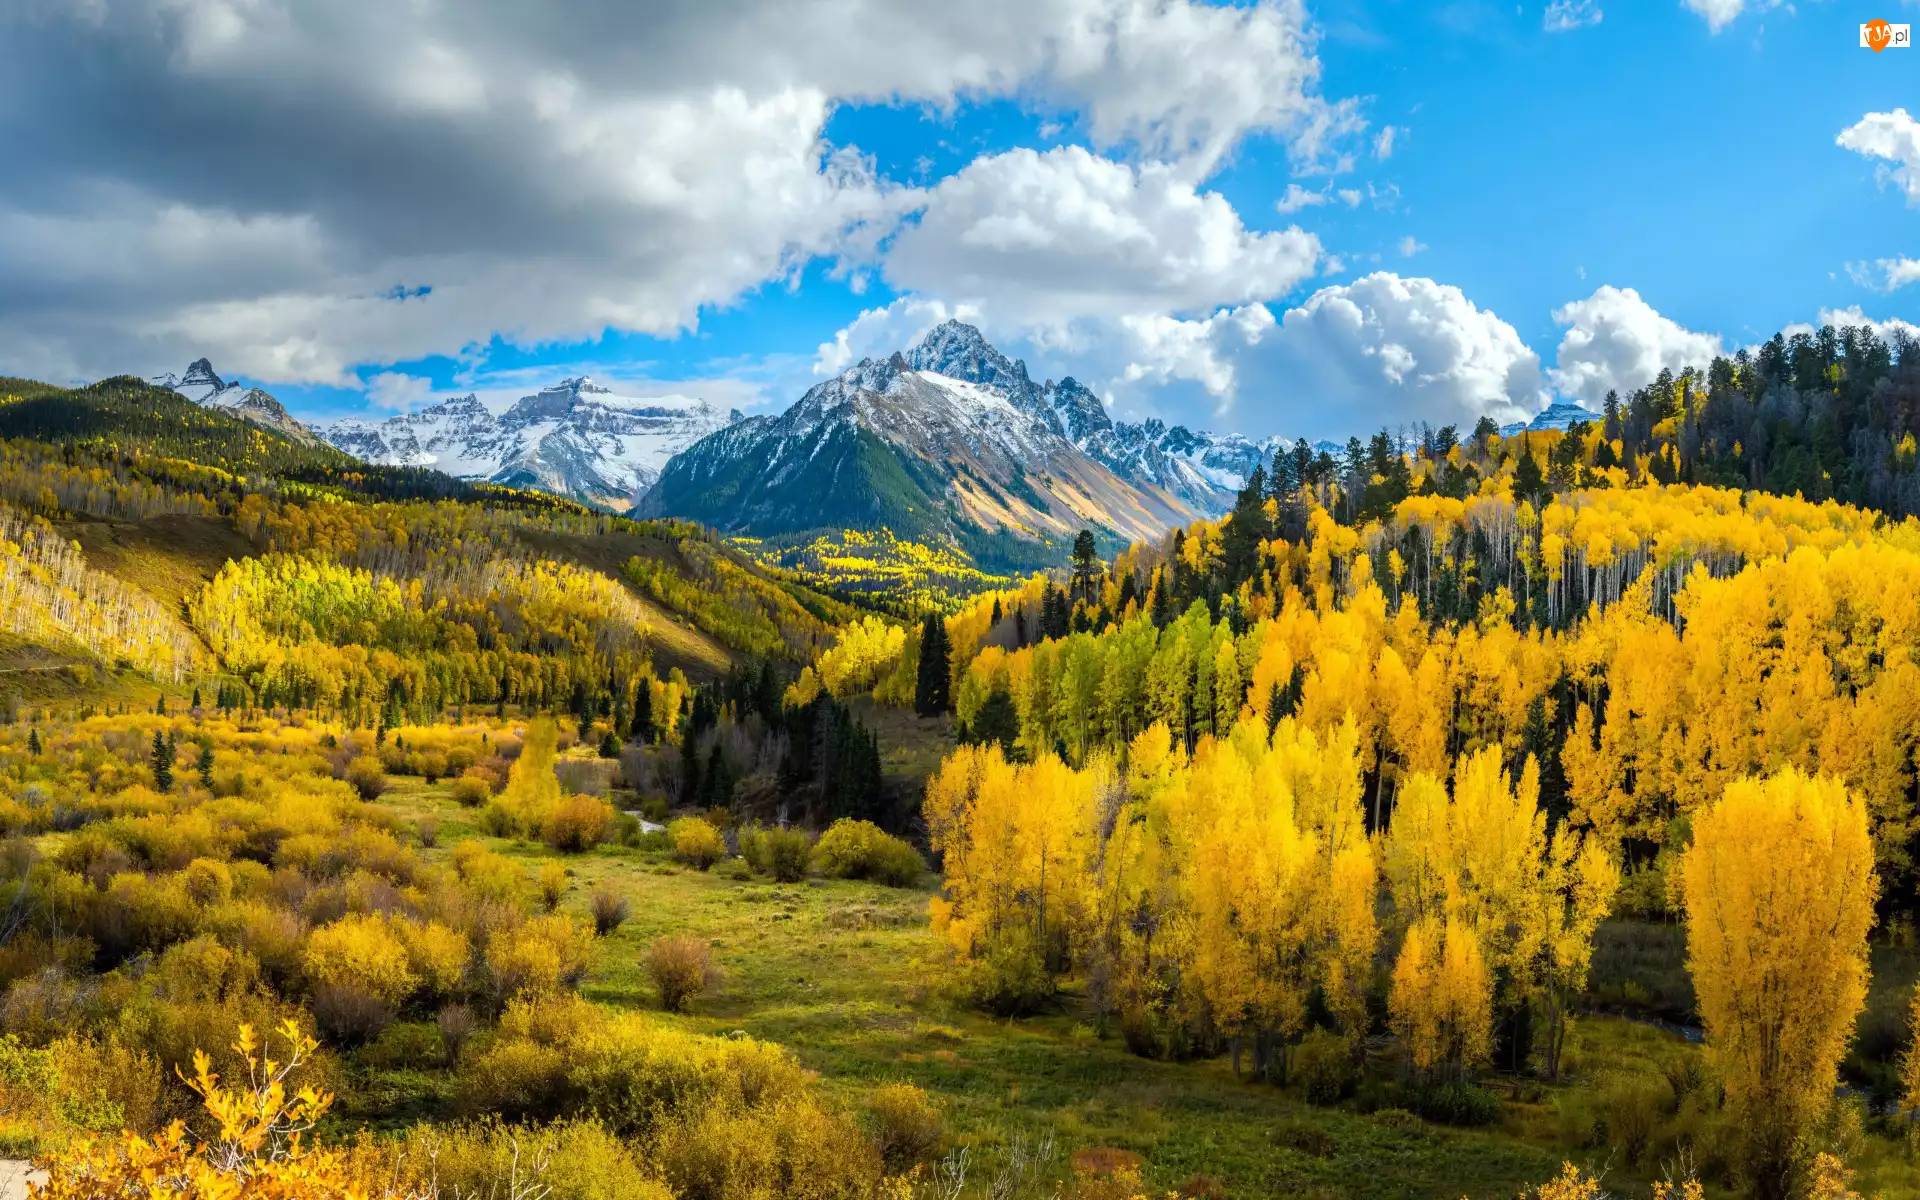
[438,955]
[361,953]
[584,1161]
[208,882]
[542,955]
[696,842]
[682,967]
[791,1149]
[862,850]
[577,823]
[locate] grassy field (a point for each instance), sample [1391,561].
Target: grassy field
[849,977]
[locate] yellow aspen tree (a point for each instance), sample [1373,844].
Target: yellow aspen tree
[1442,998]
[1780,888]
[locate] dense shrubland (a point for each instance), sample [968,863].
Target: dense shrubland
[150,918]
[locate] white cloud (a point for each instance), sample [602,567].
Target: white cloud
[1383,350]
[1721,13]
[1297,198]
[1840,318]
[1615,341]
[1351,197]
[1893,136]
[1166,348]
[878,332]
[1043,240]
[1410,247]
[1886,274]
[1383,143]
[397,391]
[1563,16]
[275,170]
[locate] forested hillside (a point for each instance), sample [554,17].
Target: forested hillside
[1439,816]
[295,575]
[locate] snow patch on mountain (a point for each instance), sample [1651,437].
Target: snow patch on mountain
[1558,417]
[203,385]
[576,438]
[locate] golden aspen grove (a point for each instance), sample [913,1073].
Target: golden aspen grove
[1518,815]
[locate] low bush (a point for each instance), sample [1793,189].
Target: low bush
[610,907]
[577,823]
[473,788]
[1323,1063]
[682,968]
[790,1148]
[552,883]
[696,842]
[350,1015]
[1456,1103]
[368,777]
[862,850]
[905,1126]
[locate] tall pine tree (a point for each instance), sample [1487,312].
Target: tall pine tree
[934,684]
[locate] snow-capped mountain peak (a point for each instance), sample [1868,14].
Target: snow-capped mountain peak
[577,438]
[203,385]
[1559,416]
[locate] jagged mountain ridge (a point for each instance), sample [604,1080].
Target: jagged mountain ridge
[1202,469]
[576,438]
[951,440]
[202,385]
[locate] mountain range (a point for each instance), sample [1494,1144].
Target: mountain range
[950,439]
[575,439]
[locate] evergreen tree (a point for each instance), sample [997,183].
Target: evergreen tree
[934,683]
[162,760]
[196,699]
[33,742]
[1528,483]
[642,730]
[1246,528]
[610,745]
[1086,567]
[717,791]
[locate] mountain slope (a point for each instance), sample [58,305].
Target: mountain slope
[203,386]
[926,454]
[952,441]
[575,439]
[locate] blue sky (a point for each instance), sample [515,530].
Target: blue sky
[1273,218]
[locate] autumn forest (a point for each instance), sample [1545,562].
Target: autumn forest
[1461,814]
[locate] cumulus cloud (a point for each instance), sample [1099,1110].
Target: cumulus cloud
[1383,350]
[1048,239]
[1163,348]
[878,332]
[1410,246]
[1563,16]
[398,391]
[1615,341]
[274,184]
[1893,137]
[1887,331]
